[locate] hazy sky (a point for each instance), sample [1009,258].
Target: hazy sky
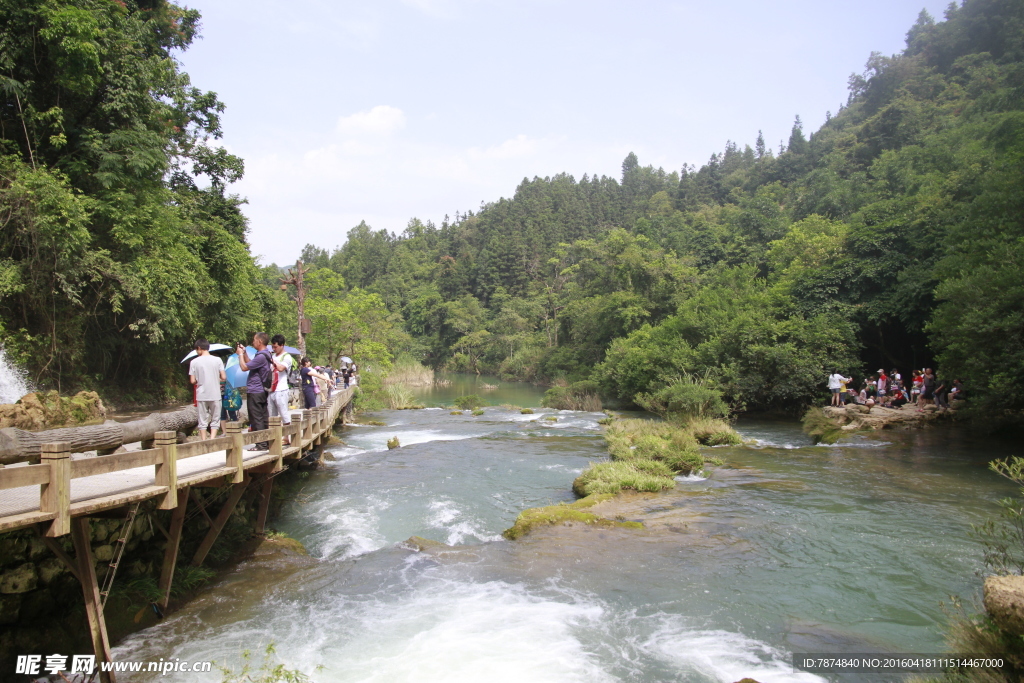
[382,111]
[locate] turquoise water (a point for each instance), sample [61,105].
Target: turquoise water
[785,548]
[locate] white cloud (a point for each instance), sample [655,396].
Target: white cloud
[519,146]
[381,120]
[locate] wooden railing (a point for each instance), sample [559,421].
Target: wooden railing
[56,470]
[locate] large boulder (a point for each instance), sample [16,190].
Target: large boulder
[1004,600]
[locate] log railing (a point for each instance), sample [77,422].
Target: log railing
[56,470]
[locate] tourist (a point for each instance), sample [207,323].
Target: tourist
[279,393]
[308,378]
[206,372]
[883,383]
[353,377]
[915,389]
[261,373]
[899,398]
[231,401]
[836,384]
[957,392]
[927,389]
[941,393]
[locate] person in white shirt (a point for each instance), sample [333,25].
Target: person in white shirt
[279,393]
[835,385]
[206,372]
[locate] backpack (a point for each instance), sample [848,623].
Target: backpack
[294,378]
[270,378]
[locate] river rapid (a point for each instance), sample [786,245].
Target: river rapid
[787,547]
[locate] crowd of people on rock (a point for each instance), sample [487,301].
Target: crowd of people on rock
[891,390]
[273,375]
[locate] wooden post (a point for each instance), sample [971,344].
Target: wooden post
[277,443]
[234,459]
[167,470]
[91,592]
[55,496]
[261,516]
[171,551]
[222,517]
[307,427]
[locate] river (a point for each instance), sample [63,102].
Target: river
[787,547]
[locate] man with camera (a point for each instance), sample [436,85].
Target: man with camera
[261,376]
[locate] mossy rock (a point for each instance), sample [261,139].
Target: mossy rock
[455,412]
[393,443]
[478,412]
[550,418]
[527,411]
[564,513]
[48,410]
[820,427]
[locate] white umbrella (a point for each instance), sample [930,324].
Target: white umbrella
[346,359]
[214,348]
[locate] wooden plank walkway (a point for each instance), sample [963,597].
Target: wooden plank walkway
[91,485]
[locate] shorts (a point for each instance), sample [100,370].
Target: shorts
[834,391]
[278,405]
[208,413]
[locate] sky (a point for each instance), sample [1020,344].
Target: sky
[383,111]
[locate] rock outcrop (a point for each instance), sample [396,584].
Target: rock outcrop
[854,417]
[45,410]
[1004,601]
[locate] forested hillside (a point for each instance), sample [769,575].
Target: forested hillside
[118,240]
[891,236]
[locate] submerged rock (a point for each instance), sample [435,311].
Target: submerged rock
[393,443]
[420,544]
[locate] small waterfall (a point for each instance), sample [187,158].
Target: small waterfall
[13,381]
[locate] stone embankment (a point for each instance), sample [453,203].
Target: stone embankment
[857,417]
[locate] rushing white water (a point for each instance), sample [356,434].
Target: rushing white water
[13,380]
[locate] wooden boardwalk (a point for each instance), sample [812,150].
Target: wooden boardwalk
[59,488]
[60,494]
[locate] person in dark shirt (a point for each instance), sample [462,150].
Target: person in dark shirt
[309,375]
[260,376]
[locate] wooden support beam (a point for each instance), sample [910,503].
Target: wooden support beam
[55,496]
[222,518]
[235,452]
[167,468]
[55,548]
[261,516]
[171,551]
[201,504]
[160,527]
[91,592]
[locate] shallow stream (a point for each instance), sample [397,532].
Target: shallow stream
[785,548]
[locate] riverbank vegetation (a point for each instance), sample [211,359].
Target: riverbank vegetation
[889,236]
